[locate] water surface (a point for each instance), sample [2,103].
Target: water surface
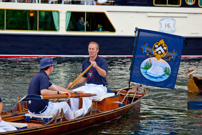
[162,111]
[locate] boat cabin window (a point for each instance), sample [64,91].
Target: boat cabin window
[31,20]
[20,20]
[190,2]
[167,2]
[2,19]
[88,22]
[200,3]
[48,20]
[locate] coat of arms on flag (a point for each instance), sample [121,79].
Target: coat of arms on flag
[156,58]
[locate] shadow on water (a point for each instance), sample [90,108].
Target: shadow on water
[162,111]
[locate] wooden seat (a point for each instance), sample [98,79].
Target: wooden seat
[107,104]
[46,118]
[23,125]
[19,125]
[104,103]
[107,95]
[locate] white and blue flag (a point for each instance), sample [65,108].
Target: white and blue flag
[156,58]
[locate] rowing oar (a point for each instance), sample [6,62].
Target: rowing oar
[80,75]
[194,105]
[77,79]
[40,97]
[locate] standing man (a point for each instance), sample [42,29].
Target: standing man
[95,78]
[4,126]
[40,85]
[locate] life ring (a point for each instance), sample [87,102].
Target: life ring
[101,1]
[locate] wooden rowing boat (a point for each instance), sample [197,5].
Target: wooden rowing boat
[101,111]
[195,83]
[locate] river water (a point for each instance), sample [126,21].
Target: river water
[162,111]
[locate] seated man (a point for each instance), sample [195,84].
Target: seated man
[40,85]
[91,2]
[4,126]
[81,24]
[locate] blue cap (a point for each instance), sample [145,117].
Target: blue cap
[45,62]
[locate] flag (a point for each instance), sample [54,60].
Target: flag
[156,58]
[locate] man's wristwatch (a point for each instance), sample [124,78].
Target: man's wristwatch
[58,92]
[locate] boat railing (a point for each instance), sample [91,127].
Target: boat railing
[80,2]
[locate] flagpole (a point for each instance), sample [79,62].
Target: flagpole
[134,51]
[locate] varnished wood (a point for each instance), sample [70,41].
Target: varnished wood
[108,104]
[19,105]
[80,103]
[132,92]
[15,118]
[191,85]
[31,125]
[6,115]
[73,95]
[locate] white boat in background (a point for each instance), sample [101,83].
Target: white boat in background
[37,28]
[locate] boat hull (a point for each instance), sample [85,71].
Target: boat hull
[26,45]
[77,124]
[59,125]
[54,45]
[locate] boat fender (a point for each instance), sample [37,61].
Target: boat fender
[101,1]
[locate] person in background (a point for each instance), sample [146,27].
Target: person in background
[4,126]
[88,2]
[91,2]
[95,78]
[40,85]
[81,24]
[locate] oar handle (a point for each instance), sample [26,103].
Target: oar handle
[80,75]
[73,95]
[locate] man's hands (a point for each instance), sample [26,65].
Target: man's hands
[94,64]
[70,85]
[66,92]
[101,71]
[80,92]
